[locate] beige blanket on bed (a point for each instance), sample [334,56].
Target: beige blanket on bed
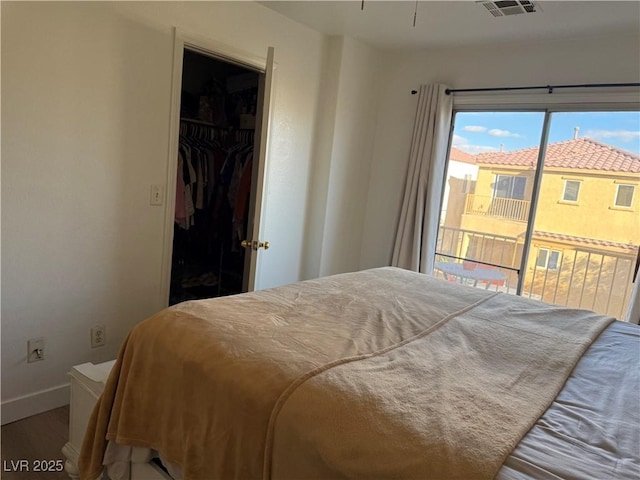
[377,374]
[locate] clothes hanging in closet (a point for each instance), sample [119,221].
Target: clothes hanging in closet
[214,173]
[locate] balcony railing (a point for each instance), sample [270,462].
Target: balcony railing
[508,208]
[582,278]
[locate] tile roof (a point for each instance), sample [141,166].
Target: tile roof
[594,242]
[459,156]
[580,153]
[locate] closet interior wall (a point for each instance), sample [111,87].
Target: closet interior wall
[213,187]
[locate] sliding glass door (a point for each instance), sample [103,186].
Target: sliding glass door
[586,229]
[544,205]
[487,198]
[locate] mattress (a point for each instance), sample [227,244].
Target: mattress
[376,374]
[592,428]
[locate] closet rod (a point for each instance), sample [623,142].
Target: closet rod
[200,122]
[549,88]
[207,124]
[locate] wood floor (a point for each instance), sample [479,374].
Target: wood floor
[33,440]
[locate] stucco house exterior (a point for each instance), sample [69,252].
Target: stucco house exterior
[587,223]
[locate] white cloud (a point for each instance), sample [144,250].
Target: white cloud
[622,135]
[496,132]
[464,145]
[474,149]
[457,140]
[474,129]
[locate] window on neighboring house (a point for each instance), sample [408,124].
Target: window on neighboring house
[571,190]
[549,259]
[509,186]
[624,195]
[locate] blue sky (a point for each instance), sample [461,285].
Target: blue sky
[478,132]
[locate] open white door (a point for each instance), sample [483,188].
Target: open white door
[253,243]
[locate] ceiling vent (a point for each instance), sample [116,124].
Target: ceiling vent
[507,8]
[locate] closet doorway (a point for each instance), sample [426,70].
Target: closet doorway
[219,170]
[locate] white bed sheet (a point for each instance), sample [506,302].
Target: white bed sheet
[586,433]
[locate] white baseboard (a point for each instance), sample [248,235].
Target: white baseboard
[34,403]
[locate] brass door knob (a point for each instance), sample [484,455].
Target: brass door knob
[254,244]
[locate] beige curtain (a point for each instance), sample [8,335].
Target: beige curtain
[415,243]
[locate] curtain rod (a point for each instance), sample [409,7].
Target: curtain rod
[549,88]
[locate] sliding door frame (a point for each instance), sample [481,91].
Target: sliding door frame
[592,101]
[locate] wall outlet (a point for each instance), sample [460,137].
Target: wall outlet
[35,349]
[98,336]
[157,195]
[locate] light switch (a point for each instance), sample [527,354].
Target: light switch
[157,194]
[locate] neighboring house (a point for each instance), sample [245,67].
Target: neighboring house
[462,174]
[587,222]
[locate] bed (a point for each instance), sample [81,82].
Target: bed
[382,373]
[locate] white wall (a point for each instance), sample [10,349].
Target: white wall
[85,122]
[323,150]
[607,59]
[354,128]
[340,179]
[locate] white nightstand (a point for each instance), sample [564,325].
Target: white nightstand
[87,383]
